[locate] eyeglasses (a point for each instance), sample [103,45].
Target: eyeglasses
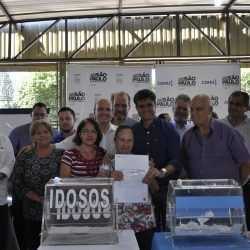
[88,131]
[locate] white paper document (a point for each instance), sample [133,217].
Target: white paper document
[131,189]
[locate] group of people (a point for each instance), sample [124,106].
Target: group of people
[203,148]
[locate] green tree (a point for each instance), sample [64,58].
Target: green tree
[245,81]
[42,87]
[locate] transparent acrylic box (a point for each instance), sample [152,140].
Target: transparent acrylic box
[205,207]
[79,211]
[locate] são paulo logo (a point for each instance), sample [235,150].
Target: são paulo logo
[166,102]
[141,77]
[187,81]
[98,77]
[77,96]
[230,80]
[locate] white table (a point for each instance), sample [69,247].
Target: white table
[127,241]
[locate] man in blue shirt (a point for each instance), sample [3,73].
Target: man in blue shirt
[20,136]
[159,140]
[66,118]
[211,149]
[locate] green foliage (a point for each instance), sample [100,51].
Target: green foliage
[42,87]
[245,81]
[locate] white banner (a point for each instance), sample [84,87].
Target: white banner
[86,84]
[216,80]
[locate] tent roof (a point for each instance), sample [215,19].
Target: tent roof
[17,10]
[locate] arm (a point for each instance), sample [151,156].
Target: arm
[7,158]
[65,170]
[173,151]
[14,141]
[19,186]
[245,172]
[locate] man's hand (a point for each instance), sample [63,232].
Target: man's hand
[34,197]
[150,175]
[117,175]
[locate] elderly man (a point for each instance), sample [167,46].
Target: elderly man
[158,139]
[211,149]
[103,116]
[66,118]
[181,111]
[121,106]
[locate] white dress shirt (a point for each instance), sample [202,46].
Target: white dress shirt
[243,129]
[7,160]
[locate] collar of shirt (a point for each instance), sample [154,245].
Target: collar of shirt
[111,129]
[211,128]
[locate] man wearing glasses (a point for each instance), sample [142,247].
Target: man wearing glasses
[20,136]
[159,140]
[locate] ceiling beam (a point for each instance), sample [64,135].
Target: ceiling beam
[6,12]
[229,5]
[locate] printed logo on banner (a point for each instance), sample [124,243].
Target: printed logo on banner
[187,81]
[166,102]
[214,100]
[230,80]
[165,83]
[98,77]
[77,96]
[141,77]
[208,82]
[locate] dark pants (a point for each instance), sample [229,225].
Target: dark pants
[144,239]
[32,230]
[159,201]
[246,195]
[4,226]
[18,221]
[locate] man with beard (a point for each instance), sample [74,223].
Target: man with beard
[121,106]
[66,118]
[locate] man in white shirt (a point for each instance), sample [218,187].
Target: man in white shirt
[7,160]
[103,115]
[238,103]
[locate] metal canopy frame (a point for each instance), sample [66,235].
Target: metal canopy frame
[223,55]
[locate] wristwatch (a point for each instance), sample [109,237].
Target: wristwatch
[163,173]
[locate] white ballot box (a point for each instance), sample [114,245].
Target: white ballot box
[79,211]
